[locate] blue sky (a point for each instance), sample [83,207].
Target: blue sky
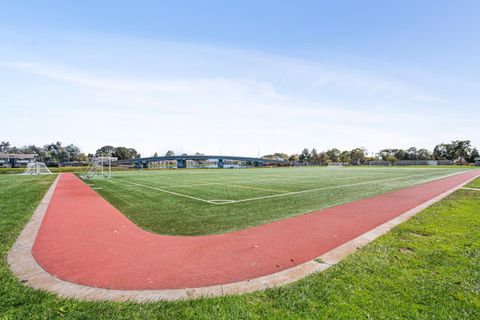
[251,77]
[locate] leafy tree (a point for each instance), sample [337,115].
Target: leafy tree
[461,150]
[4,146]
[155,154]
[474,155]
[345,157]
[122,153]
[334,155]
[314,157]
[424,154]
[305,156]
[323,158]
[400,154]
[105,151]
[388,155]
[294,158]
[411,153]
[169,153]
[442,152]
[357,155]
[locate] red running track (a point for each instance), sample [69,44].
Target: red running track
[85,240]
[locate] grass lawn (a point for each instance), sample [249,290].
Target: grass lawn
[426,268]
[197,202]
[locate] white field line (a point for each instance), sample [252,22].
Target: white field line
[216,202]
[466,188]
[253,188]
[169,192]
[245,179]
[342,186]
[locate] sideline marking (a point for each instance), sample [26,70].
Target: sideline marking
[466,188]
[167,191]
[215,202]
[346,185]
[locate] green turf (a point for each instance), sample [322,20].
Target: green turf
[262,195]
[427,268]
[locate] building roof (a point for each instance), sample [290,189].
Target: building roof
[17,155]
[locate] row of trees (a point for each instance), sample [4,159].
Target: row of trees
[56,152]
[459,151]
[122,153]
[53,152]
[355,156]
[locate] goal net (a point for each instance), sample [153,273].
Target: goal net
[335,164]
[36,168]
[100,166]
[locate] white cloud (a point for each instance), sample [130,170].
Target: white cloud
[236,102]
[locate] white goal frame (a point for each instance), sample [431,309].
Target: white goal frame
[36,168]
[97,167]
[336,164]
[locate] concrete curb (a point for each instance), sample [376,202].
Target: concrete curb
[26,269]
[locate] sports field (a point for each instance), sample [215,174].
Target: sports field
[196,202]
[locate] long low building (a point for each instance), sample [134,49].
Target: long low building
[181,161]
[15,159]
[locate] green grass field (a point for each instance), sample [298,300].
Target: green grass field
[197,202]
[426,268]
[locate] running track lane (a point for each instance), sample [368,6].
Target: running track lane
[85,240]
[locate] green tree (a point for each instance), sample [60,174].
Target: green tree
[169,153]
[400,154]
[105,151]
[4,146]
[412,153]
[334,154]
[424,154]
[345,157]
[388,155]
[461,150]
[294,158]
[323,157]
[442,152]
[314,157]
[357,155]
[474,155]
[305,156]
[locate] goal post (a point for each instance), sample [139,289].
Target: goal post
[336,164]
[97,167]
[36,168]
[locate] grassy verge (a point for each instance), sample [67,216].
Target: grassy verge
[429,267]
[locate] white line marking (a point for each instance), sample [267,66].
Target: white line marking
[170,192]
[215,202]
[341,186]
[466,188]
[221,201]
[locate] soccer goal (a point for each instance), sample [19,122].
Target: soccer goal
[36,168]
[336,164]
[100,166]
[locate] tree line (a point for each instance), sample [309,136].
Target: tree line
[57,152]
[458,151]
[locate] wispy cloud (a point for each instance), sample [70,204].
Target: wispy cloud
[232,100]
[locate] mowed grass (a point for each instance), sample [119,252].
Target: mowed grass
[426,268]
[198,202]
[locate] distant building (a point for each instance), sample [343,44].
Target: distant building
[15,160]
[477,161]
